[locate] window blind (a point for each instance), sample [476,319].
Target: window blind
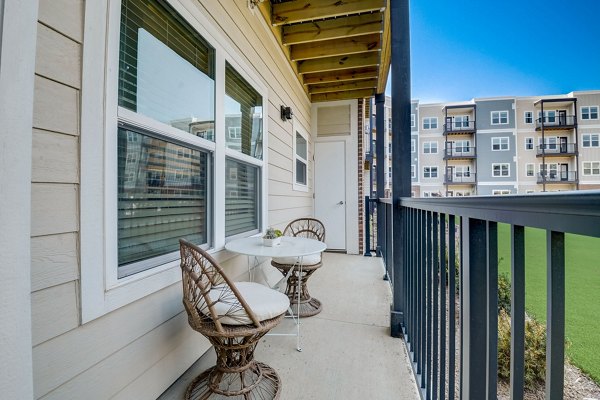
[241,197]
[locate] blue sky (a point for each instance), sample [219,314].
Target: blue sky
[481,48]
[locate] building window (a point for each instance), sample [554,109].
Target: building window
[300,161]
[529,168]
[591,168]
[461,121]
[462,146]
[550,169]
[413,171]
[591,140]
[499,117]
[589,112]
[529,191]
[430,147]
[413,122]
[502,192]
[413,145]
[528,143]
[549,143]
[500,170]
[528,117]
[430,172]
[549,116]
[500,143]
[430,123]
[389,148]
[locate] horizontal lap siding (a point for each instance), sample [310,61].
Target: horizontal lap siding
[138,350]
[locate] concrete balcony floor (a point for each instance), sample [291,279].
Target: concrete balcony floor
[347,352]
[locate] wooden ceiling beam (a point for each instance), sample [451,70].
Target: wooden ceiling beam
[386,53]
[336,47]
[342,27]
[344,95]
[340,76]
[342,86]
[339,62]
[308,10]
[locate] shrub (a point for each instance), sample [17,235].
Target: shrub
[535,350]
[504,293]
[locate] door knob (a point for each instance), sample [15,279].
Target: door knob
[340,203]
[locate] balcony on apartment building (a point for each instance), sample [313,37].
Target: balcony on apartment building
[459,152]
[558,121]
[465,178]
[557,177]
[459,127]
[561,149]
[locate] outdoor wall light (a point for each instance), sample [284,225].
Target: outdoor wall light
[286,113]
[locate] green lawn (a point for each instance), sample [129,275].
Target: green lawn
[582,290]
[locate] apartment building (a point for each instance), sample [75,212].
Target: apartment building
[502,145]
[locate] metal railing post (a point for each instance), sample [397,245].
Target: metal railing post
[367,227]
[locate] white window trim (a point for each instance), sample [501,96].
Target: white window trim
[430,169]
[501,176]
[501,139]
[413,120]
[525,117]
[413,171]
[590,140]
[591,168]
[499,117]
[533,170]
[532,144]
[430,120]
[501,192]
[101,291]
[429,144]
[297,126]
[590,112]
[413,145]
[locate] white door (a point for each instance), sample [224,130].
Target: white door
[330,191]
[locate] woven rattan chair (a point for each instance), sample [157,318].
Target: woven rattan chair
[308,228]
[234,317]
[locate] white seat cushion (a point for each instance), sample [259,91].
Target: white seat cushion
[306,260]
[266,303]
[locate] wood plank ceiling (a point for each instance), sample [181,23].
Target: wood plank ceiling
[339,49]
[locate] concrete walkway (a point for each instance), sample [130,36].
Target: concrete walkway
[347,350]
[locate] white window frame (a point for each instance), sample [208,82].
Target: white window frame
[590,139]
[591,166]
[528,114]
[529,141]
[429,121]
[101,291]
[532,170]
[501,165]
[500,113]
[501,141]
[413,145]
[299,129]
[413,171]
[431,169]
[501,192]
[589,113]
[430,145]
[413,120]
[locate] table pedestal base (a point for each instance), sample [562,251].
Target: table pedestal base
[306,306]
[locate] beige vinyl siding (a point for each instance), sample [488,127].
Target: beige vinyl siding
[138,350]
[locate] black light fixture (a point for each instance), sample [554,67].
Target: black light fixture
[286,113]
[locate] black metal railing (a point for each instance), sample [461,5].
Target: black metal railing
[556,121]
[459,151]
[557,176]
[552,149]
[459,126]
[458,178]
[449,285]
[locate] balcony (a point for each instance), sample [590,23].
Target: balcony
[557,177]
[347,343]
[460,153]
[466,178]
[449,243]
[459,128]
[558,122]
[557,150]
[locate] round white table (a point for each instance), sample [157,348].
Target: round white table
[290,247]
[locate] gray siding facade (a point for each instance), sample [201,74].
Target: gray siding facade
[486,157]
[485,109]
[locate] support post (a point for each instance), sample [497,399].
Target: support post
[380,173]
[401,135]
[555,315]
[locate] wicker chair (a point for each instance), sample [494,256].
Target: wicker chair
[313,229]
[234,317]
